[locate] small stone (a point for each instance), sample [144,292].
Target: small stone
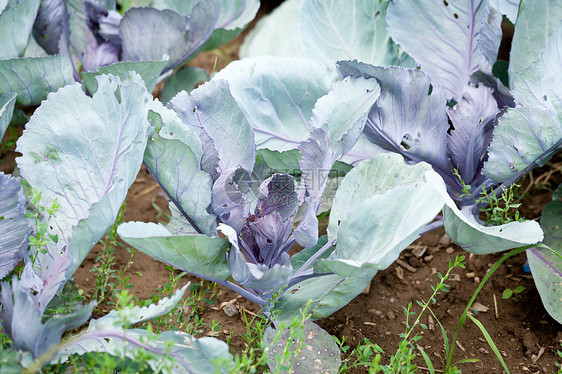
[392,299]
[445,240]
[449,250]
[230,310]
[428,258]
[390,315]
[483,350]
[477,279]
[457,278]
[470,275]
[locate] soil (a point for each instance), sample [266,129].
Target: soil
[526,336]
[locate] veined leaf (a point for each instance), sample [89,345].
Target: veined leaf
[338,121]
[319,352]
[174,351]
[212,113]
[148,70]
[33,78]
[198,254]
[385,171]
[88,169]
[14,226]
[407,118]
[531,133]
[276,34]
[16,23]
[178,37]
[449,39]
[114,319]
[370,228]
[21,316]
[176,165]
[546,264]
[326,294]
[277,95]
[464,229]
[536,23]
[334,30]
[234,16]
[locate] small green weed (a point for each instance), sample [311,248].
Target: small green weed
[515,293]
[498,210]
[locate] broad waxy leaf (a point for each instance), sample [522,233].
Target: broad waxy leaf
[211,108]
[276,34]
[360,207]
[327,293]
[16,23]
[175,352]
[449,39]
[199,254]
[88,169]
[178,35]
[114,319]
[546,264]
[183,80]
[464,229]
[234,16]
[531,132]
[319,352]
[406,118]
[176,165]
[536,22]
[14,226]
[333,30]
[7,104]
[386,171]
[277,95]
[21,318]
[509,8]
[380,208]
[341,114]
[33,78]
[148,70]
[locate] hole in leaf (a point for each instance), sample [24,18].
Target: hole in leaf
[406,141]
[544,98]
[445,2]
[456,15]
[377,13]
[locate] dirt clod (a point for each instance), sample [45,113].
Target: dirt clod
[530,341]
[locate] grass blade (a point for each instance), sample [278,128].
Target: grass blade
[490,341]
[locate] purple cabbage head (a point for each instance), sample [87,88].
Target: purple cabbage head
[260,240]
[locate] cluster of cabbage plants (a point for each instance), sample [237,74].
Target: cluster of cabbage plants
[247,159]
